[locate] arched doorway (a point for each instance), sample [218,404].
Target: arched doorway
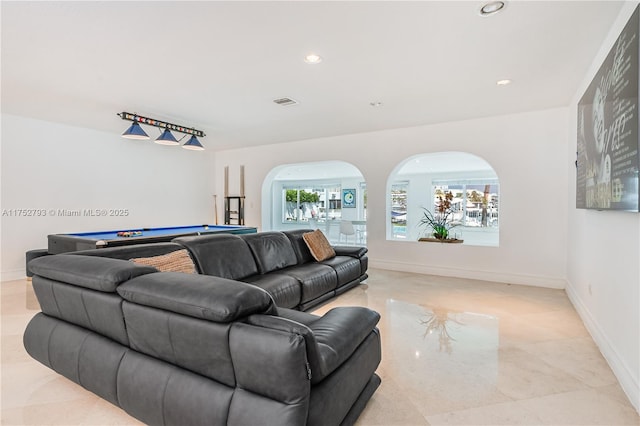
[314,195]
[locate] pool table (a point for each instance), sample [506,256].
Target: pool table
[63,243]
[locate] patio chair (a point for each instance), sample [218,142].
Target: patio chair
[346,229]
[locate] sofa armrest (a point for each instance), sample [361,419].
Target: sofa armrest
[353,251]
[97,273]
[198,296]
[339,333]
[330,339]
[299,316]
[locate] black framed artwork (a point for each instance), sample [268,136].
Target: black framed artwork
[608,160]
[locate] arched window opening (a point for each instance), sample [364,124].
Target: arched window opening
[325,195]
[417,182]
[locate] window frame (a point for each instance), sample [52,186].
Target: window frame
[328,188]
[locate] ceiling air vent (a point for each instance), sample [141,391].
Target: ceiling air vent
[285,101]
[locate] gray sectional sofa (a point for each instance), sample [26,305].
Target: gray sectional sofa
[192,349]
[278,262]
[281,263]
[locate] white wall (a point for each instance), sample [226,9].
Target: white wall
[418,197]
[603,261]
[527,151]
[53,166]
[352,213]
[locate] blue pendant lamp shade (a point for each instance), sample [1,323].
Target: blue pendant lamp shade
[193,144]
[135,132]
[166,138]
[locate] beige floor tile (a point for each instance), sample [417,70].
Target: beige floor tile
[521,376]
[579,357]
[507,413]
[390,407]
[13,350]
[17,297]
[614,392]
[516,331]
[582,407]
[83,411]
[14,324]
[30,383]
[572,325]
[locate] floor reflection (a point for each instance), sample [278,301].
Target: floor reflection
[436,323]
[445,359]
[31,301]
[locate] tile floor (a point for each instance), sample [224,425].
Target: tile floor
[455,352]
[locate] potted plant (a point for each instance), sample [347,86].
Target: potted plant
[440,222]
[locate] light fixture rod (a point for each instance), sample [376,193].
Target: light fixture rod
[161,124]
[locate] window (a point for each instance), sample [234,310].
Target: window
[399,210]
[313,202]
[416,183]
[363,192]
[474,204]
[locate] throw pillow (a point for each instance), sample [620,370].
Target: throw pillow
[318,245]
[176,261]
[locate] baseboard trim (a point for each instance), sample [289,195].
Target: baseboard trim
[508,278]
[628,383]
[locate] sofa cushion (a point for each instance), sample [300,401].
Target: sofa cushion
[330,339]
[347,268]
[299,245]
[340,331]
[94,310]
[198,345]
[315,279]
[177,261]
[221,255]
[131,251]
[318,245]
[272,251]
[97,273]
[284,289]
[199,296]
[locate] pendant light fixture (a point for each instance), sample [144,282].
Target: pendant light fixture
[193,144]
[135,131]
[167,138]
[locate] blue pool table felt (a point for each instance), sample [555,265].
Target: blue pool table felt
[153,232]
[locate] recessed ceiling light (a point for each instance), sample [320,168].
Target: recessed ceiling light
[503,82]
[312,58]
[491,8]
[376,104]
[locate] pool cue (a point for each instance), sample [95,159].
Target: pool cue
[215,206]
[242,181]
[226,181]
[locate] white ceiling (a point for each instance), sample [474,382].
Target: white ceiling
[217,66]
